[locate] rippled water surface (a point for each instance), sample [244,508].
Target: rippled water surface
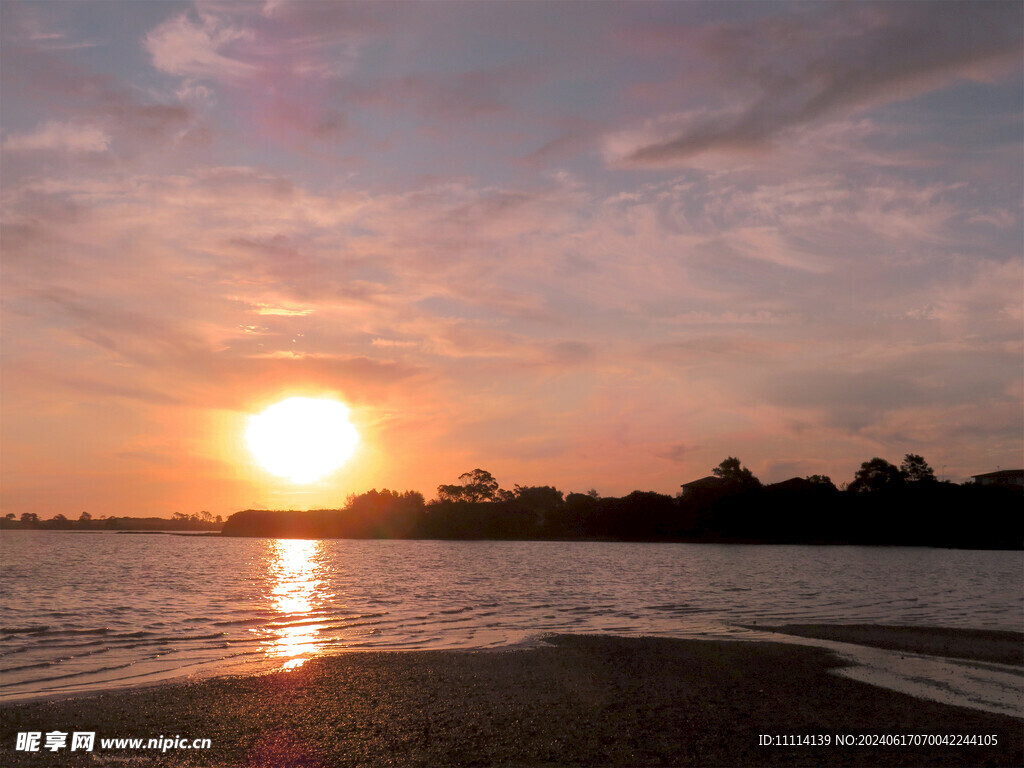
[94,610]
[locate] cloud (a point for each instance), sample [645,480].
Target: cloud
[459,96]
[613,325]
[266,309]
[719,348]
[35,24]
[795,68]
[572,352]
[340,198]
[91,114]
[56,136]
[400,343]
[199,45]
[278,64]
[905,378]
[676,452]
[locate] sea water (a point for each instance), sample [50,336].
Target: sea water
[87,611]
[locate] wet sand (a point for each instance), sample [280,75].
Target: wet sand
[582,700]
[978,645]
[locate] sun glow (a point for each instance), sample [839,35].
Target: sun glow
[302,438]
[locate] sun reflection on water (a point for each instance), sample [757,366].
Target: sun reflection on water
[298,576]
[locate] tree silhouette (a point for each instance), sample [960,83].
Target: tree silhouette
[540,498]
[876,475]
[735,475]
[821,480]
[474,486]
[916,470]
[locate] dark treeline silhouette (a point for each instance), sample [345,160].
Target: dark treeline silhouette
[372,515]
[884,505]
[203,521]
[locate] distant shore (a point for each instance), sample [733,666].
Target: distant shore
[582,700]
[710,511]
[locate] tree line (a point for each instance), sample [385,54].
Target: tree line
[885,504]
[203,521]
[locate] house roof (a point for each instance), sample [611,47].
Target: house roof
[702,482]
[792,484]
[1007,473]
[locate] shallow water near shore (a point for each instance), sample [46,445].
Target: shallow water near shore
[84,612]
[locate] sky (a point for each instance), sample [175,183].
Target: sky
[589,245]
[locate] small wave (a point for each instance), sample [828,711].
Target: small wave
[238,622]
[187,638]
[585,609]
[30,630]
[324,616]
[66,644]
[37,665]
[81,673]
[357,624]
[129,640]
[690,609]
[305,622]
[78,632]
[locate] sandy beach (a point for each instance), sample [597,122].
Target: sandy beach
[582,700]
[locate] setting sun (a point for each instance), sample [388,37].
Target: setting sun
[302,438]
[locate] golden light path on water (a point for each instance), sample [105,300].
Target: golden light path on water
[299,578]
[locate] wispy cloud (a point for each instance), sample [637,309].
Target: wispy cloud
[783,72]
[55,136]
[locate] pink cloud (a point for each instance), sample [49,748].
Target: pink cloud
[199,45]
[272,67]
[56,136]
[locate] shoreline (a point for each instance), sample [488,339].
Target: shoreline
[709,540]
[985,645]
[577,700]
[1003,647]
